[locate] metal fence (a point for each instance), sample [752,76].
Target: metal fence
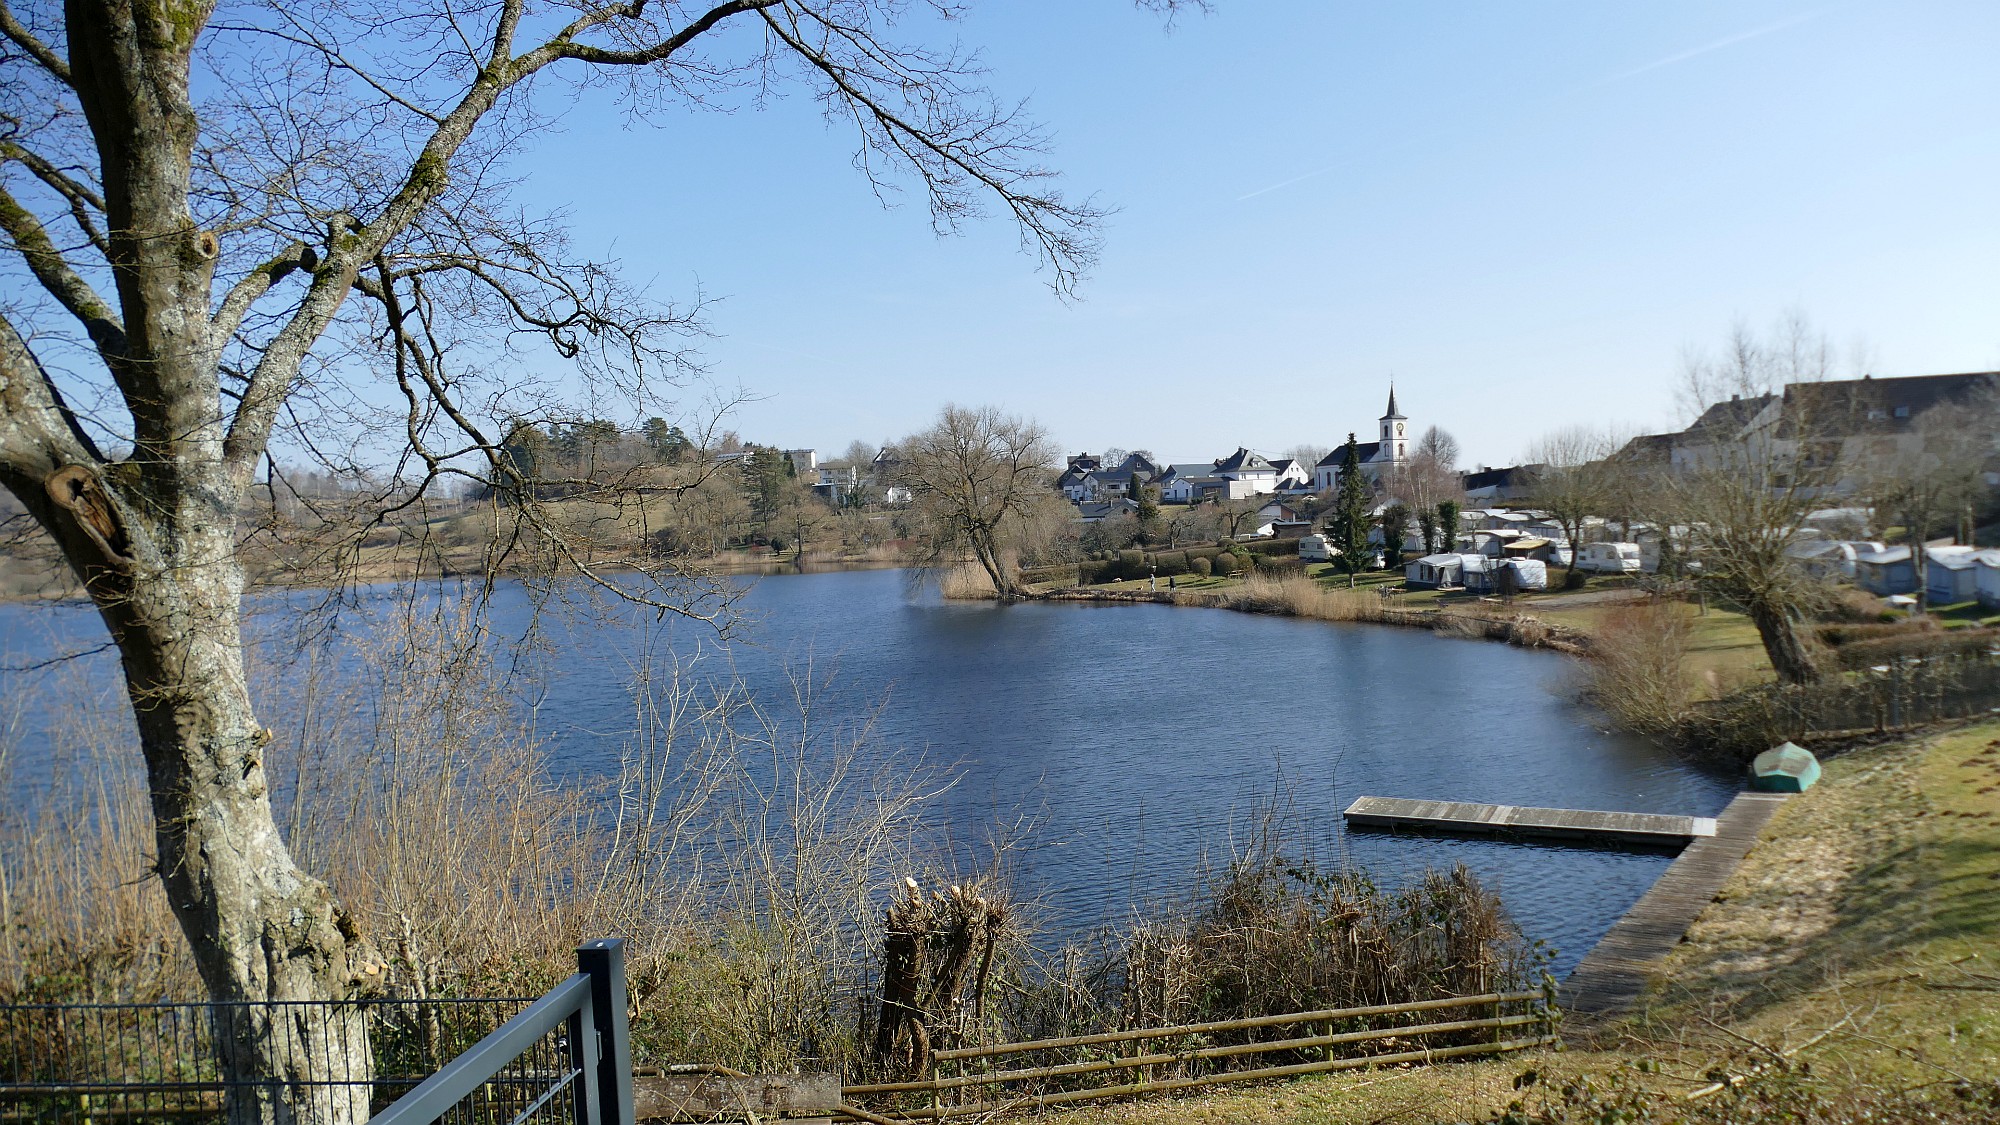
[140,1064]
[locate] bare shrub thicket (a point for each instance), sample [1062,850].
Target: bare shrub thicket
[1639,673]
[741,849]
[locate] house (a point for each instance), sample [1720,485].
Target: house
[1122,479]
[1097,511]
[1886,572]
[1292,476]
[1182,484]
[1071,482]
[1244,474]
[804,461]
[1949,575]
[836,481]
[1499,484]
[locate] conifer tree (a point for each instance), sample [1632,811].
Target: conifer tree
[1350,514]
[1447,519]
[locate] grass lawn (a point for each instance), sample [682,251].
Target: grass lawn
[1873,899]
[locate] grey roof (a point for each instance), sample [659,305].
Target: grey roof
[1241,461]
[1393,413]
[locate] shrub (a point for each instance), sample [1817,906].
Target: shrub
[1202,567]
[1171,563]
[1638,673]
[1132,564]
[1224,564]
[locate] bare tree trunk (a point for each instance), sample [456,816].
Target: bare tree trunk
[1791,656]
[262,930]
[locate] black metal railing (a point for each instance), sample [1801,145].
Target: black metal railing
[185,1062]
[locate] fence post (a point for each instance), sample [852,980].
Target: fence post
[603,961]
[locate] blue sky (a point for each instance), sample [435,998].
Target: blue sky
[1523,212]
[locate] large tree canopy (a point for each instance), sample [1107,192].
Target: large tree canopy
[224,220]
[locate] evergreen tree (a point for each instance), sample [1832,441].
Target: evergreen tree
[1395,525]
[1350,514]
[1447,524]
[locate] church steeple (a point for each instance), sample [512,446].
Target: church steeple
[1395,438]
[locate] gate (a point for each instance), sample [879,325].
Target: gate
[566,1057]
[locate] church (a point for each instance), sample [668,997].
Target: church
[1385,454]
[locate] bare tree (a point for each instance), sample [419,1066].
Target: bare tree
[973,475]
[1572,483]
[1770,454]
[1429,477]
[1308,454]
[1933,476]
[223,223]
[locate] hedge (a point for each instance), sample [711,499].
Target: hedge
[1917,645]
[1843,633]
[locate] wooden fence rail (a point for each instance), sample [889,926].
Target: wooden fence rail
[1541,1015]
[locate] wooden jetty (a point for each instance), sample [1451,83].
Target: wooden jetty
[1613,975]
[1654,829]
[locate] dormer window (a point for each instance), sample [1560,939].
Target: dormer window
[1902,412]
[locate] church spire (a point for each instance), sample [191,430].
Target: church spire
[1392,401]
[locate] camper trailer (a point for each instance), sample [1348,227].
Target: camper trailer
[1609,558]
[1316,548]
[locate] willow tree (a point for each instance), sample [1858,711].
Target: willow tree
[974,475]
[227,220]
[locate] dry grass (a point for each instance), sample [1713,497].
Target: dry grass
[966,582]
[1296,595]
[741,849]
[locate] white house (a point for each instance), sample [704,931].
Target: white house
[1292,476]
[1244,474]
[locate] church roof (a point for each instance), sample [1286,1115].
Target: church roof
[1392,403]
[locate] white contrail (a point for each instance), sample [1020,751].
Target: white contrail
[1719,44]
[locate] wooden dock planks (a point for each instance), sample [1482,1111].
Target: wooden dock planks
[1582,824]
[1613,975]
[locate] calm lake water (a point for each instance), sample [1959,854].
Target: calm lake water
[1140,740]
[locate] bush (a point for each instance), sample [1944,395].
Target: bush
[1224,564]
[1171,563]
[1132,564]
[1638,673]
[1201,567]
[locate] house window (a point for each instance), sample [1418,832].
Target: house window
[1902,412]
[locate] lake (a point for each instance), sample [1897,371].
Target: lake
[1140,739]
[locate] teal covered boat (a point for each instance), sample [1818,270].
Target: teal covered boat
[1784,769]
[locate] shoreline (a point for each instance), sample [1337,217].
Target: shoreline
[1520,629]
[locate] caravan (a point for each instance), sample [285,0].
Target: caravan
[1609,558]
